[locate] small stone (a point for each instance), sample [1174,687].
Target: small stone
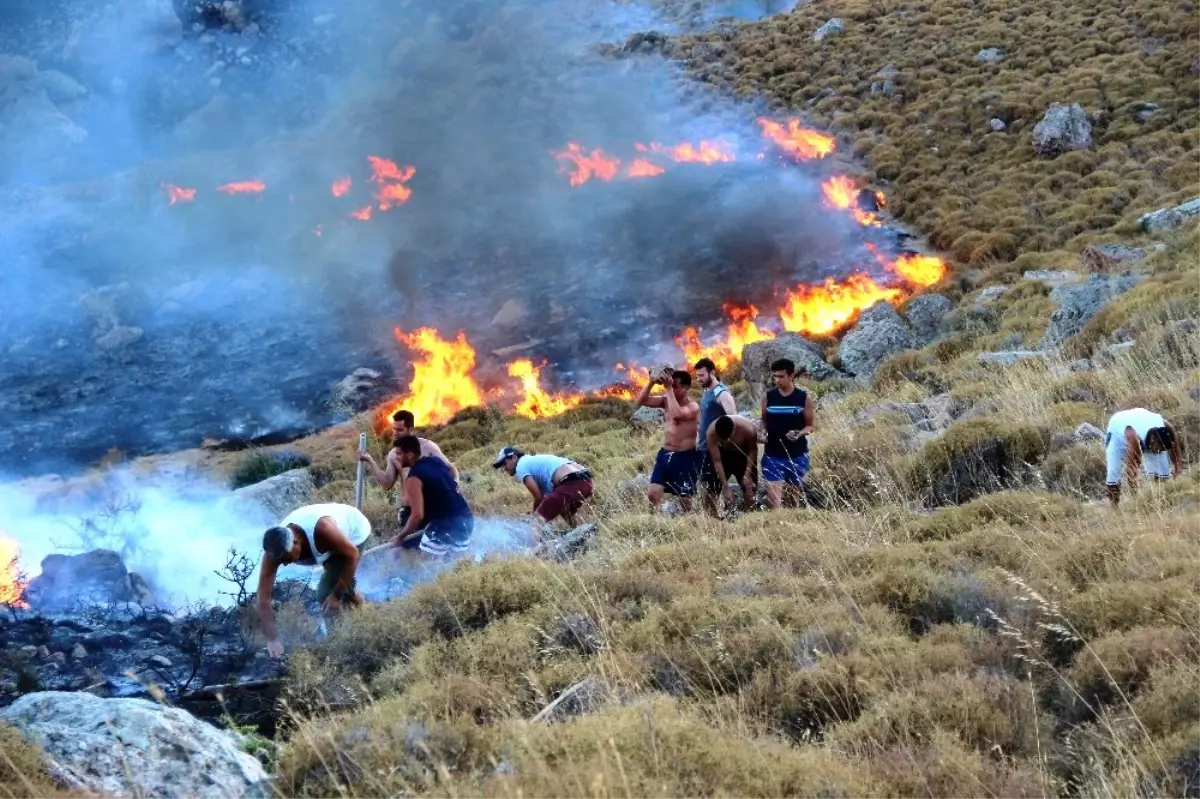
[997,125]
[989,295]
[159,660]
[29,651]
[1088,432]
[43,653]
[78,652]
[59,657]
[1082,365]
[989,55]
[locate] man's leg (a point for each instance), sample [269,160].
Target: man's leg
[1114,456]
[773,475]
[658,480]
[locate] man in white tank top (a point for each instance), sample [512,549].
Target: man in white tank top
[1137,439]
[328,535]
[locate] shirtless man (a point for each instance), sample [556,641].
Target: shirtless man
[677,467]
[331,536]
[403,424]
[732,443]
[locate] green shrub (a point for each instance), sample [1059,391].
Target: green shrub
[259,465]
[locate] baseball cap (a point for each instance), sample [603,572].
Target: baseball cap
[504,455]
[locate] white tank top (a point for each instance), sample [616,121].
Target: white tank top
[1141,420]
[348,518]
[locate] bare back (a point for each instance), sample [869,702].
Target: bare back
[744,437]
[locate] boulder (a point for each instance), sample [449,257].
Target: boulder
[830,28]
[569,546]
[1108,257]
[879,332]
[925,313]
[989,55]
[277,496]
[1063,128]
[134,747]
[649,419]
[1088,432]
[884,81]
[989,295]
[99,576]
[1167,218]
[757,359]
[364,388]
[1076,303]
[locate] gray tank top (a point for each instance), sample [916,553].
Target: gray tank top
[710,411]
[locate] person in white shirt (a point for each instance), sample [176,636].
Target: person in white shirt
[1139,439]
[331,536]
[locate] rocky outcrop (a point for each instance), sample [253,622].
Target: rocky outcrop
[830,28]
[1076,303]
[925,313]
[1167,218]
[880,332]
[134,747]
[1109,257]
[757,359]
[277,496]
[71,582]
[1063,128]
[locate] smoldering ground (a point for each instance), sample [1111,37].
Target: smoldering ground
[143,325]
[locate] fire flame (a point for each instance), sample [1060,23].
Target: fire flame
[707,152]
[597,164]
[920,270]
[442,382]
[641,168]
[842,193]
[742,331]
[800,142]
[178,194]
[12,586]
[363,213]
[831,306]
[341,187]
[242,187]
[391,179]
[536,402]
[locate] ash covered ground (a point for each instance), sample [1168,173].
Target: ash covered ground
[146,326]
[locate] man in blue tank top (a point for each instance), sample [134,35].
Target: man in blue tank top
[716,401]
[441,522]
[787,416]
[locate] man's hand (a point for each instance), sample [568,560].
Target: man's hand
[749,491]
[275,648]
[792,435]
[728,493]
[331,604]
[365,457]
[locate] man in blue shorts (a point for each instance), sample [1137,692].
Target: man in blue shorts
[677,466]
[787,416]
[440,522]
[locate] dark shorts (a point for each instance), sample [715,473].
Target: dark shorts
[677,472]
[441,537]
[329,578]
[735,465]
[785,470]
[566,498]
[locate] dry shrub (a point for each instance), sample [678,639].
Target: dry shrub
[974,457]
[1015,508]
[1069,415]
[22,775]
[1078,471]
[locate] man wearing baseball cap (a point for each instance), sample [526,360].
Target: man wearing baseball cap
[559,486]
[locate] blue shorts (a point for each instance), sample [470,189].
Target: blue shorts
[785,470]
[440,537]
[677,472]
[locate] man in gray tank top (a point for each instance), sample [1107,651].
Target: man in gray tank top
[717,401]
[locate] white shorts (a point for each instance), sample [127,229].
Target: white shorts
[1155,464]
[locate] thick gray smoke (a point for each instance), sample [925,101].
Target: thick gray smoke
[137,324]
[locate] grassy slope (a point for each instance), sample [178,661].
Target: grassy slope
[1030,642]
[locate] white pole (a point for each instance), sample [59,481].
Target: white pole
[359,485]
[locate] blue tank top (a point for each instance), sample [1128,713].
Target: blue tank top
[442,500]
[710,411]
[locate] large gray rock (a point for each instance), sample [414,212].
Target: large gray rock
[1107,257]
[277,496]
[1076,303]
[830,28]
[989,55]
[1167,218]
[879,332]
[1063,128]
[1012,357]
[925,313]
[68,582]
[134,747]
[1055,277]
[757,359]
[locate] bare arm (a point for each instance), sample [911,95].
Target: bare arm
[385,478]
[1176,452]
[727,402]
[416,504]
[1133,456]
[534,489]
[809,416]
[648,401]
[267,570]
[714,453]
[328,533]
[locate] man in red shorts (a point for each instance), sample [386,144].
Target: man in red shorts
[559,486]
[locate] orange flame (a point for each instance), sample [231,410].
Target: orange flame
[742,332]
[442,382]
[391,179]
[536,402]
[178,194]
[920,270]
[363,213]
[597,164]
[242,187]
[641,168]
[627,388]
[12,586]
[340,187]
[842,193]
[833,305]
[802,143]
[707,153]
